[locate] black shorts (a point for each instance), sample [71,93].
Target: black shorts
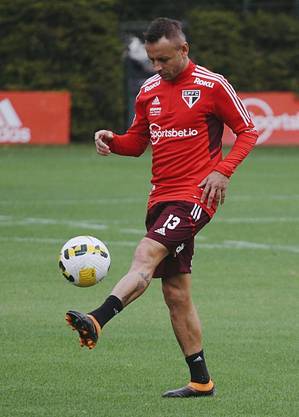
[174,224]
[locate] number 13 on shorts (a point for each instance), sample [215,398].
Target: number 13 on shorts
[172,222]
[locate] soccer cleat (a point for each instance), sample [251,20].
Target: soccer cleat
[193,389]
[87,327]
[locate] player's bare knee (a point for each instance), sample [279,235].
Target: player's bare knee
[175,298]
[142,260]
[147,256]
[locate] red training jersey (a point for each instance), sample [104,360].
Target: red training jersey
[183,120]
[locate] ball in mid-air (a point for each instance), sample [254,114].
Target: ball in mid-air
[84,261]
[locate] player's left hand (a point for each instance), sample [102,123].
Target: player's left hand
[214,188]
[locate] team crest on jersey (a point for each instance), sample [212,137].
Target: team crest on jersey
[190,97]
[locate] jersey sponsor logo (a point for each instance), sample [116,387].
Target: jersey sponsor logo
[156,101]
[150,87]
[204,83]
[155,111]
[157,133]
[190,97]
[266,121]
[11,126]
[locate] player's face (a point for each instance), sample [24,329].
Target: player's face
[169,57]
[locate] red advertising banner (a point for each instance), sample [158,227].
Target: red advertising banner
[275,115]
[34,117]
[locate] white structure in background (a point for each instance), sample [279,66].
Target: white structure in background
[137,52]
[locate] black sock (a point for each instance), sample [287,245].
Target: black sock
[107,310]
[198,368]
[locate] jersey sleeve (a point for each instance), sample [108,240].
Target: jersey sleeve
[136,139]
[230,109]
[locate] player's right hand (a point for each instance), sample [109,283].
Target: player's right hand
[102,139]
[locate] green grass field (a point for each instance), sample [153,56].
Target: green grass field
[245,284]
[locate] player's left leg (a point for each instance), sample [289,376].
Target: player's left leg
[187,328]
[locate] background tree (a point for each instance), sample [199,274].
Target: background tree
[61,45]
[257,53]
[79,46]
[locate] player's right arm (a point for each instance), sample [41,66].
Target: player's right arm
[132,143]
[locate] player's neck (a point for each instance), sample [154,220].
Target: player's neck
[184,70]
[186,63]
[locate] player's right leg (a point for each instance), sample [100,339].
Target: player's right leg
[148,255]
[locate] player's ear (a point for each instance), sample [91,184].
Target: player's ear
[185,49]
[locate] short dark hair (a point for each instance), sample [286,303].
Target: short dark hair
[163,26]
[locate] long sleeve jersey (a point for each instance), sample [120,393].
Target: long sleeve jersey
[183,120]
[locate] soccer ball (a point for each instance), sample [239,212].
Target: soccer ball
[84,261]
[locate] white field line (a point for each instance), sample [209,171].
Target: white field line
[104,201]
[59,241]
[23,239]
[7,221]
[143,200]
[240,244]
[257,220]
[142,232]
[226,244]
[131,231]
[265,197]
[29,221]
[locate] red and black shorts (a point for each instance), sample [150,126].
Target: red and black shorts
[174,224]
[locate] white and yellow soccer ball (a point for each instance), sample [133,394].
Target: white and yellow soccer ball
[84,261]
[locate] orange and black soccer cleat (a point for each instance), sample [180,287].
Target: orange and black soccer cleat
[193,389]
[87,327]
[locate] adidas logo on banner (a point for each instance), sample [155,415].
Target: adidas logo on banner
[161,231]
[156,101]
[11,127]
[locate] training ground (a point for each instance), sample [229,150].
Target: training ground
[245,285]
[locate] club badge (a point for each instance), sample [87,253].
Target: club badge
[190,97]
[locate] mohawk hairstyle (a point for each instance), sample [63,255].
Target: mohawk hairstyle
[163,26]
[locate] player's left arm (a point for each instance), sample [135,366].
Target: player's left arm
[230,109]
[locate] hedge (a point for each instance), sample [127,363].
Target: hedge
[77,46]
[257,52]
[66,45]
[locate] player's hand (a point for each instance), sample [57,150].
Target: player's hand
[102,139]
[214,188]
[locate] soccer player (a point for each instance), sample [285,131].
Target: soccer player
[180,113]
